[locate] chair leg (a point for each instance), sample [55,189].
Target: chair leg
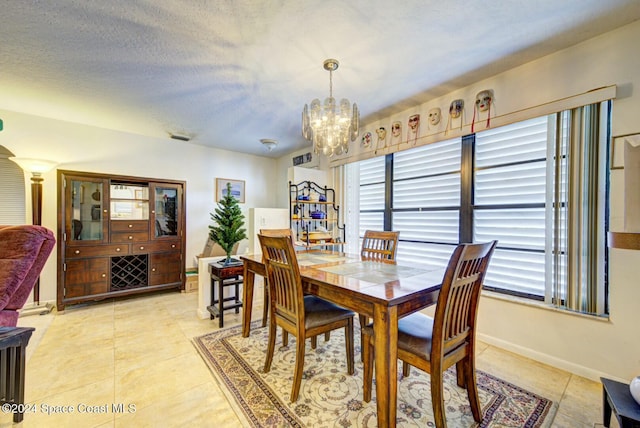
[297,374]
[406,369]
[270,346]
[265,305]
[327,336]
[348,334]
[437,397]
[314,342]
[285,338]
[472,388]
[461,374]
[367,376]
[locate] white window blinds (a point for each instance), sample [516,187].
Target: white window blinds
[371,194]
[426,202]
[509,205]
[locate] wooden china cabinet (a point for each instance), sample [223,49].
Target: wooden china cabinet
[118,235]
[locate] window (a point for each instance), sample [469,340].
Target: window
[372,194]
[13,208]
[426,202]
[535,185]
[509,204]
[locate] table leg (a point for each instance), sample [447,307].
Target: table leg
[385,334]
[606,408]
[247,300]
[237,287]
[213,295]
[19,380]
[221,302]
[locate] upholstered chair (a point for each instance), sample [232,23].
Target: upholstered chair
[23,253]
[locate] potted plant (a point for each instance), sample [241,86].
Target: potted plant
[229,224]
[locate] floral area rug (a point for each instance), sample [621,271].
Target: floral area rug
[329,397]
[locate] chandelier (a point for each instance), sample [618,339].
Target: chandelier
[330,127]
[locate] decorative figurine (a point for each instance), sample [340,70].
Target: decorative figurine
[456,110]
[382,137]
[434,117]
[484,100]
[396,132]
[414,128]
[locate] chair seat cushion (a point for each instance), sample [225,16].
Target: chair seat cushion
[319,312]
[415,334]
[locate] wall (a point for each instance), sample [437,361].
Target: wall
[583,345]
[86,148]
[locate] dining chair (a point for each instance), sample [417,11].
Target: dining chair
[377,245]
[435,344]
[265,304]
[300,315]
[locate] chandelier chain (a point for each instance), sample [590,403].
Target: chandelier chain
[331,83]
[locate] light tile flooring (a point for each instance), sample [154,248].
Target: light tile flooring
[138,352]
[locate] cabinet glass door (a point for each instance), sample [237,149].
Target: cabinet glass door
[86,212]
[166,210]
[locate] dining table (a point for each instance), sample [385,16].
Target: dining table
[381,290]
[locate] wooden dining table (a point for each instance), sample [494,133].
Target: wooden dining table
[383,291]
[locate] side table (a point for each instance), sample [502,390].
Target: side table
[224,276]
[13,344]
[616,397]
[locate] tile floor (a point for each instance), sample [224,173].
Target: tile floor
[138,353]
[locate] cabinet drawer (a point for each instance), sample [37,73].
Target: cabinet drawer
[86,277]
[130,237]
[165,268]
[130,226]
[155,247]
[96,251]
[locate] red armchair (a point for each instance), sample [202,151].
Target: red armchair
[23,252]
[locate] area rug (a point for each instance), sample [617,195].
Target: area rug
[329,397]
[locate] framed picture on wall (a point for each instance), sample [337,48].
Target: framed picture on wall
[237,189]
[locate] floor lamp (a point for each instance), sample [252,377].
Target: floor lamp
[36,167]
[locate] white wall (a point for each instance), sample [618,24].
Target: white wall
[583,345]
[86,148]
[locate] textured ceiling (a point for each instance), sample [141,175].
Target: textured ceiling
[228,73]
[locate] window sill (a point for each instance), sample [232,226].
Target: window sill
[541,305]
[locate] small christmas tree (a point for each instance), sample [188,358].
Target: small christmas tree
[229,224]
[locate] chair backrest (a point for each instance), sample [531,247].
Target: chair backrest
[457,307]
[379,245]
[24,251]
[276,232]
[283,274]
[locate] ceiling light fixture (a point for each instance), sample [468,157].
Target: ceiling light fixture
[330,127]
[269,143]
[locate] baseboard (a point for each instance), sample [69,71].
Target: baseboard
[203,315]
[559,363]
[40,309]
